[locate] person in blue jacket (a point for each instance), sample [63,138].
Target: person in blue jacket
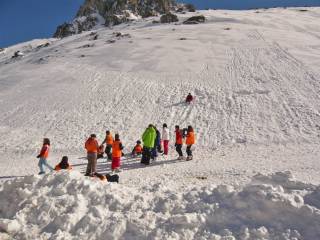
[157,145]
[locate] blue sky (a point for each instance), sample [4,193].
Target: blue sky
[23,20]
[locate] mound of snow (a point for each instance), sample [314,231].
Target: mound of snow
[67,205]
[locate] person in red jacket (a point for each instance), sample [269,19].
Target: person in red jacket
[189,98]
[179,142]
[92,147]
[116,153]
[43,156]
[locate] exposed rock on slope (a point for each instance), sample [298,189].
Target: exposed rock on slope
[112,12]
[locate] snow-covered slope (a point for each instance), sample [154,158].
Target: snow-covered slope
[255,75]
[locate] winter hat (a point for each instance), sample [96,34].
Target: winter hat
[117,137]
[164,125]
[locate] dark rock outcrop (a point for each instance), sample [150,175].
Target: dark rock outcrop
[112,12]
[195,20]
[169,18]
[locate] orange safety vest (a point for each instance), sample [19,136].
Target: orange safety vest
[190,138]
[92,145]
[109,139]
[116,150]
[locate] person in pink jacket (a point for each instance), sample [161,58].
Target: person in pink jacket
[43,156]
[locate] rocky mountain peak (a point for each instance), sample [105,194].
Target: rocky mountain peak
[112,12]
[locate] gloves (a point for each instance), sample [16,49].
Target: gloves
[38,156]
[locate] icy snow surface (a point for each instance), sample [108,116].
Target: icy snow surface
[256,78]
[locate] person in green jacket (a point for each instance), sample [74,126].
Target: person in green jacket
[148,139]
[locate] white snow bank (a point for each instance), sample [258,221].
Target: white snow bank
[67,205]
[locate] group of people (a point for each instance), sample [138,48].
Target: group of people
[153,143]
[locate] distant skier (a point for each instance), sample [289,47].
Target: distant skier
[148,139]
[116,153]
[43,156]
[137,150]
[108,141]
[92,147]
[189,98]
[190,140]
[165,139]
[179,141]
[64,164]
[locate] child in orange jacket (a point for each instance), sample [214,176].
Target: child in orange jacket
[116,153]
[190,140]
[137,150]
[43,156]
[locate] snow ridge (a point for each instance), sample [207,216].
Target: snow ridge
[68,205]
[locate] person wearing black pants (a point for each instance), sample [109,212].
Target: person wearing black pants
[179,142]
[179,150]
[189,152]
[146,155]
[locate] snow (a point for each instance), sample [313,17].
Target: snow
[256,118]
[69,205]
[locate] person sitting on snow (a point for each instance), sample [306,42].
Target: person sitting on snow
[189,98]
[64,164]
[100,151]
[137,150]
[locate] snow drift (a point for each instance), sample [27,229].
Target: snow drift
[67,205]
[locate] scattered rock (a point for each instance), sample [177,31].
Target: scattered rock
[43,45]
[82,55]
[155,22]
[201,178]
[2,50]
[18,54]
[117,34]
[121,35]
[303,10]
[227,28]
[94,37]
[183,38]
[87,46]
[195,20]
[111,41]
[169,18]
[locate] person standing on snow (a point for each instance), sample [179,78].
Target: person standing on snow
[190,140]
[92,147]
[157,145]
[43,156]
[165,139]
[116,153]
[179,142]
[108,141]
[148,139]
